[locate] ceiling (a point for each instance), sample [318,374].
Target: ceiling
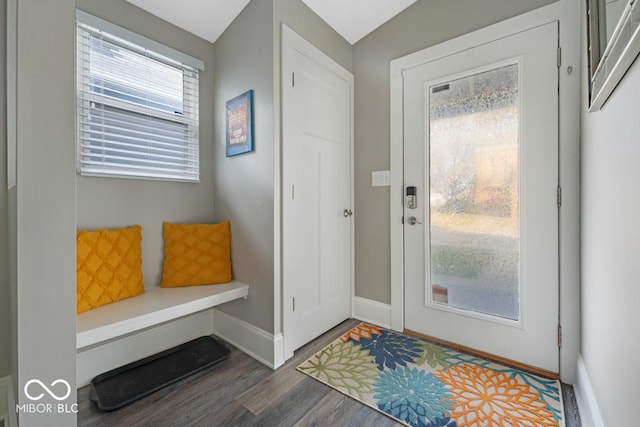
[352,19]
[205,18]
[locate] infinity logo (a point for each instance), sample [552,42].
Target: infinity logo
[52,394]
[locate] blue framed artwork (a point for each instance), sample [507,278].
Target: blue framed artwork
[239,128]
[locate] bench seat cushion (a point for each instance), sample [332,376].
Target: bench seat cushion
[108,266]
[196,254]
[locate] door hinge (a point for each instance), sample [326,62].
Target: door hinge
[559,197]
[294,303]
[559,336]
[293,192]
[559,56]
[402,220]
[293,79]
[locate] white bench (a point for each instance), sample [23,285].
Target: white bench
[103,326]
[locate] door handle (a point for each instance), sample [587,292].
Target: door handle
[347,213]
[413,221]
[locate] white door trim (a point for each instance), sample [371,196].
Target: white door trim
[292,40]
[567,12]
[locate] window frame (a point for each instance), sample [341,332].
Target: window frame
[88,27]
[609,59]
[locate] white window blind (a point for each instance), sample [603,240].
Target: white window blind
[137,108]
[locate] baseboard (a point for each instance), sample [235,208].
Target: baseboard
[371,311]
[7,403]
[278,351]
[586,399]
[263,346]
[118,352]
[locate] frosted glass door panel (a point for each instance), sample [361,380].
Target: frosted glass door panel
[473,146]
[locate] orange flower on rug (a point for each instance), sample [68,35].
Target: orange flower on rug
[363,330]
[485,397]
[422,384]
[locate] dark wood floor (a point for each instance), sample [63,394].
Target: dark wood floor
[243,392]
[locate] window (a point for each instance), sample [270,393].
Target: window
[137,105]
[613,31]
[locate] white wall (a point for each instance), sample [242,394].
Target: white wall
[117,202]
[610,250]
[44,207]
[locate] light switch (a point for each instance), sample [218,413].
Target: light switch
[380,178]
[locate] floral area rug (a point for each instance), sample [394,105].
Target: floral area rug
[419,383]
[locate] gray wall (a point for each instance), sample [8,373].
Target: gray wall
[610,247]
[422,25]
[116,202]
[5,295]
[301,19]
[12,202]
[42,208]
[244,183]
[248,57]
[45,202]
[297,16]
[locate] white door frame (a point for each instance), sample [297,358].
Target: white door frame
[292,40]
[567,12]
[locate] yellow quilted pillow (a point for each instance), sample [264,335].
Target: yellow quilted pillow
[108,266]
[198,254]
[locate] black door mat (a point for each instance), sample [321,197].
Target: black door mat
[122,386]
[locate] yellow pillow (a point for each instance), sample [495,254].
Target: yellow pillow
[108,266]
[198,254]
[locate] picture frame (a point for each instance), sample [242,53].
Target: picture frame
[239,124]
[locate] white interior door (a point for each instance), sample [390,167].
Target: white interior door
[317,220]
[481,242]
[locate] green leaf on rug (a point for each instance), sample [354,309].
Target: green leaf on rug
[434,355]
[346,366]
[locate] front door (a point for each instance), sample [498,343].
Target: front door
[480,212]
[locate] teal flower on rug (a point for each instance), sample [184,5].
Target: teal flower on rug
[391,349]
[440,422]
[413,396]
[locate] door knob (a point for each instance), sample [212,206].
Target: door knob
[347,213]
[413,221]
